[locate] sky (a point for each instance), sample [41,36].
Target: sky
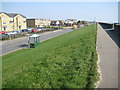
[100,11]
[60,0]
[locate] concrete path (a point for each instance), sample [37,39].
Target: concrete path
[108,54]
[16,44]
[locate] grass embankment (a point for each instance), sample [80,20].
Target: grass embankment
[67,61]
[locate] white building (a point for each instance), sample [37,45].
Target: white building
[70,21]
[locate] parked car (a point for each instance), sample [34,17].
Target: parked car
[11,32]
[19,31]
[30,28]
[39,28]
[35,30]
[3,32]
[25,30]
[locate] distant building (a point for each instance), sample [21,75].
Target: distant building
[57,22]
[70,22]
[12,21]
[34,23]
[53,23]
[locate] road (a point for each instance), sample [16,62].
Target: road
[16,44]
[108,59]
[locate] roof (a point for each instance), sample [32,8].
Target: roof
[37,19]
[71,20]
[12,14]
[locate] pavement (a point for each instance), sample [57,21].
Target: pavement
[108,54]
[16,44]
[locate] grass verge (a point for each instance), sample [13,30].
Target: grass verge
[66,61]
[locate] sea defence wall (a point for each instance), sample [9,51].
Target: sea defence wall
[116,27]
[106,25]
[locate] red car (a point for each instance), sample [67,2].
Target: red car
[3,32]
[35,30]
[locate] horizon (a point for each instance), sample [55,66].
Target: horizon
[65,10]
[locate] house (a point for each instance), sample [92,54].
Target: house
[34,23]
[70,22]
[54,23]
[12,21]
[57,23]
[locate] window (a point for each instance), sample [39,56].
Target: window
[11,22]
[24,19]
[19,27]
[11,19]
[4,18]
[11,26]
[4,28]
[19,18]
[4,22]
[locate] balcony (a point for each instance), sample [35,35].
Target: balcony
[24,20]
[11,22]
[11,19]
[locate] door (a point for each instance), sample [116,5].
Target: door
[4,28]
[19,27]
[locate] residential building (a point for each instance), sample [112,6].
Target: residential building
[34,23]
[12,21]
[70,22]
[54,23]
[57,23]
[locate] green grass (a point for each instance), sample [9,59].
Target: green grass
[67,61]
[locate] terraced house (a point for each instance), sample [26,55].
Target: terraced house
[34,23]
[57,22]
[12,21]
[70,22]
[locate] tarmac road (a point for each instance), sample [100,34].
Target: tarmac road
[16,44]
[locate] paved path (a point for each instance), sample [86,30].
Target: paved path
[108,54]
[16,44]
